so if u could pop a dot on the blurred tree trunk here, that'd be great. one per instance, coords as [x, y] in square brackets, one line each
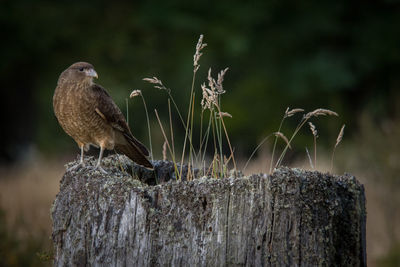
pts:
[291, 218]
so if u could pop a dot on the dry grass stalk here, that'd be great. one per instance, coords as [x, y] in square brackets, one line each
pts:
[164, 151]
[189, 175]
[159, 85]
[306, 117]
[168, 145]
[338, 140]
[281, 135]
[198, 54]
[288, 113]
[170, 126]
[189, 121]
[211, 168]
[211, 100]
[315, 135]
[258, 146]
[133, 94]
[226, 160]
[309, 159]
[216, 166]
[227, 139]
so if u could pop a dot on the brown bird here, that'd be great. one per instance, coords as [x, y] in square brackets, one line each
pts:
[88, 114]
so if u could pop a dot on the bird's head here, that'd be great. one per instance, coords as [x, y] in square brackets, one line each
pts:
[79, 72]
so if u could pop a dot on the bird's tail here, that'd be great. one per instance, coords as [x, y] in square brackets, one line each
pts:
[134, 152]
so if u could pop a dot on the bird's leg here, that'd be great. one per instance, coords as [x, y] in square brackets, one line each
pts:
[82, 150]
[81, 163]
[98, 165]
[100, 156]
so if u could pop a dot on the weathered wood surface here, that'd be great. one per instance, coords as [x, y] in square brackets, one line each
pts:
[291, 218]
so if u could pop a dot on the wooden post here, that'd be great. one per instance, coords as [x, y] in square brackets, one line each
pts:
[290, 218]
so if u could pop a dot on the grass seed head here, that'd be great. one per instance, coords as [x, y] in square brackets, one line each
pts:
[313, 129]
[220, 80]
[320, 112]
[210, 95]
[135, 93]
[158, 83]
[198, 54]
[225, 114]
[209, 98]
[340, 136]
[290, 113]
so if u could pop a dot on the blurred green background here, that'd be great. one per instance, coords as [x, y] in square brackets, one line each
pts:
[340, 55]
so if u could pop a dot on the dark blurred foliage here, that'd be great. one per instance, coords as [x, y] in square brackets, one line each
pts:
[341, 55]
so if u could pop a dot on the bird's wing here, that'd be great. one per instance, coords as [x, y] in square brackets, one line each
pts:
[109, 111]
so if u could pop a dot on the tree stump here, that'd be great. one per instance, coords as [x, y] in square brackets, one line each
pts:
[290, 218]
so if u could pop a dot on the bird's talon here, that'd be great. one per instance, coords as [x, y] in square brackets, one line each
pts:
[76, 167]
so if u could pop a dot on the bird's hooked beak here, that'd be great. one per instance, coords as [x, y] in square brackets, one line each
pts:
[91, 73]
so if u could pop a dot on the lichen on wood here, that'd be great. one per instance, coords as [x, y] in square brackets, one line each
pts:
[290, 218]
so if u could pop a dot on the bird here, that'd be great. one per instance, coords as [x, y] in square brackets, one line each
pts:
[87, 113]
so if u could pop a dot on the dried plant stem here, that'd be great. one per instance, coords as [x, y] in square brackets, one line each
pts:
[168, 145]
[133, 94]
[221, 153]
[201, 134]
[188, 122]
[213, 131]
[255, 150]
[276, 140]
[309, 158]
[338, 140]
[302, 122]
[315, 136]
[159, 85]
[306, 117]
[227, 138]
[288, 113]
[170, 127]
[180, 116]
[148, 126]
[177, 109]
[164, 151]
[218, 130]
[315, 152]
[205, 139]
[191, 150]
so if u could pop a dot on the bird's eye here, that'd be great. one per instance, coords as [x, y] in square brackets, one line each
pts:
[80, 69]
